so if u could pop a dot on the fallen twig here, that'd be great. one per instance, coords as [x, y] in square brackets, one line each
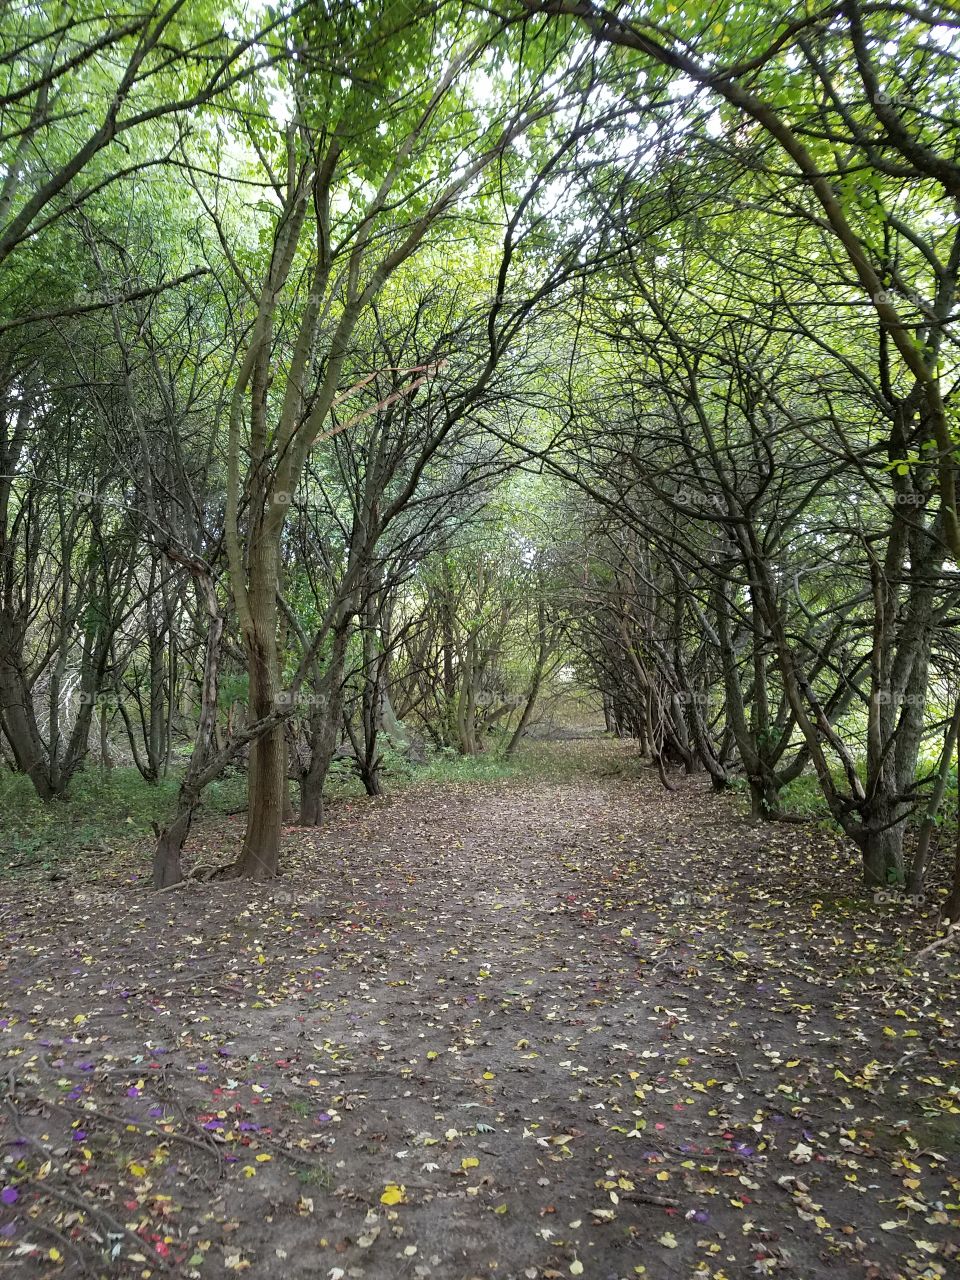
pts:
[952, 934]
[645, 1197]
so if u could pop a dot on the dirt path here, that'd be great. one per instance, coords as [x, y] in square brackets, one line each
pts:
[539, 1030]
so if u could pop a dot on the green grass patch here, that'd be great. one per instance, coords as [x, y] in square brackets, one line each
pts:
[448, 766]
[102, 811]
[534, 759]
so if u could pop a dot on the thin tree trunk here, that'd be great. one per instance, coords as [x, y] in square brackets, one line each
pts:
[167, 855]
[951, 909]
[106, 756]
[324, 731]
[922, 853]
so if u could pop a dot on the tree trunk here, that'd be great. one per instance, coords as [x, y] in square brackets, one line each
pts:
[22, 733]
[286, 804]
[370, 777]
[260, 856]
[951, 909]
[466, 710]
[609, 723]
[922, 853]
[311, 793]
[169, 847]
[764, 796]
[324, 730]
[517, 736]
[106, 755]
[882, 856]
[155, 743]
[170, 842]
[266, 776]
[368, 755]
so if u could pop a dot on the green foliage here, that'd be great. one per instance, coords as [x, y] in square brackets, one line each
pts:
[451, 767]
[101, 811]
[535, 760]
[804, 797]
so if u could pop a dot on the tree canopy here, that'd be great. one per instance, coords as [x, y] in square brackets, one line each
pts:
[372, 373]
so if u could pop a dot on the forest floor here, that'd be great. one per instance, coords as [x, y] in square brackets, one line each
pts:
[535, 1028]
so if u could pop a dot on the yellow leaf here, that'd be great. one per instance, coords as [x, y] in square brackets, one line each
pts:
[392, 1194]
[668, 1240]
[137, 1170]
[469, 1162]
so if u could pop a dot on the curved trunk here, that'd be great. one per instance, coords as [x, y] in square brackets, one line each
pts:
[17, 715]
[919, 865]
[167, 870]
[170, 842]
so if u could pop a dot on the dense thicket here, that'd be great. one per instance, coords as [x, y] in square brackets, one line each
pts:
[371, 373]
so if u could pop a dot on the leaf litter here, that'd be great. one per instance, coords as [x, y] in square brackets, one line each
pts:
[534, 1029]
